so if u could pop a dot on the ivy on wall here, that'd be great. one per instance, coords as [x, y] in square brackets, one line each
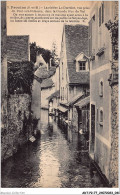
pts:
[20, 77]
[113, 28]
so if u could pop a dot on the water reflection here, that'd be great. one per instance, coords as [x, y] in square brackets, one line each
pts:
[57, 159]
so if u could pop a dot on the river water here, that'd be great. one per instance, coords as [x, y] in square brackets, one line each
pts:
[57, 159]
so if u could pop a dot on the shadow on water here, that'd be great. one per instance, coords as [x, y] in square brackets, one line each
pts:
[57, 159]
[21, 169]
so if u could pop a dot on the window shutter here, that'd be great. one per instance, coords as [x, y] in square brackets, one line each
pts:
[90, 37]
[102, 12]
[100, 16]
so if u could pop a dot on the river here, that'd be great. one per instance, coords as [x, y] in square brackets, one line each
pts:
[56, 160]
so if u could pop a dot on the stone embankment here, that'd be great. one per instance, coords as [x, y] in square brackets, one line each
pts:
[19, 124]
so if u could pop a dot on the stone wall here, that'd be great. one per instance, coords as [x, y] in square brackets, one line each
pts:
[19, 128]
[4, 91]
[102, 157]
[114, 137]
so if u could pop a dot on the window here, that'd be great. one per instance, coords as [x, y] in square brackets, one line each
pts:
[62, 70]
[67, 93]
[101, 116]
[90, 37]
[75, 90]
[101, 14]
[40, 64]
[101, 89]
[82, 66]
[80, 116]
[97, 115]
[63, 93]
[94, 17]
[66, 74]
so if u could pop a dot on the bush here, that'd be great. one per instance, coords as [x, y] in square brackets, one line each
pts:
[20, 77]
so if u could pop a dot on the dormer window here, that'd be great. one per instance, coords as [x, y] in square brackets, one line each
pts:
[82, 62]
[82, 66]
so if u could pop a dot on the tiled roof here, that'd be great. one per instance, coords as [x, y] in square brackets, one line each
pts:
[55, 94]
[43, 73]
[76, 38]
[18, 48]
[75, 99]
[52, 70]
[47, 83]
[77, 77]
[83, 102]
[62, 109]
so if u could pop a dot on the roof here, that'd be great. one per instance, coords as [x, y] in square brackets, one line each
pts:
[42, 72]
[62, 109]
[52, 70]
[83, 102]
[75, 99]
[55, 94]
[47, 83]
[77, 77]
[76, 39]
[18, 48]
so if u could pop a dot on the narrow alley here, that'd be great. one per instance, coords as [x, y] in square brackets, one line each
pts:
[56, 159]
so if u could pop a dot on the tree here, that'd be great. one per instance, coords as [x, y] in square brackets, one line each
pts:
[55, 59]
[35, 50]
[46, 54]
[20, 77]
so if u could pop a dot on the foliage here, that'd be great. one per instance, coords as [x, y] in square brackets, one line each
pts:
[34, 50]
[47, 54]
[113, 28]
[20, 77]
[55, 59]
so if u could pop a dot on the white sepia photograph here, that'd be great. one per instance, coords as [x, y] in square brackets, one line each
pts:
[59, 95]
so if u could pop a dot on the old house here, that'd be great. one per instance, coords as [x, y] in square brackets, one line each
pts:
[54, 97]
[19, 93]
[102, 144]
[48, 87]
[74, 69]
[40, 61]
[53, 100]
[47, 79]
[40, 74]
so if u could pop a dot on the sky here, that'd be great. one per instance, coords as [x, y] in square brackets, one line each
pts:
[44, 34]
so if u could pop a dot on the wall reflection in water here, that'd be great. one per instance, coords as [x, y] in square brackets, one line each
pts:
[59, 158]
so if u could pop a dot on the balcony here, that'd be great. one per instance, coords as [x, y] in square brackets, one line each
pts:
[100, 51]
[113, 77]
